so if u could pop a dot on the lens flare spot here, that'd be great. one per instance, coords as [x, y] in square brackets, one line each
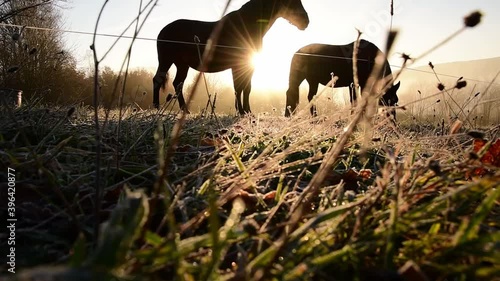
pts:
[257, 60]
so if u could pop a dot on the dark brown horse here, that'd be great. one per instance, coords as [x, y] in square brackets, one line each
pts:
[316, 62]
[241, 35]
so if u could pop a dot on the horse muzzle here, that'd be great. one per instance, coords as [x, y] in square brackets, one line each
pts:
[303, 22]
[300, 20]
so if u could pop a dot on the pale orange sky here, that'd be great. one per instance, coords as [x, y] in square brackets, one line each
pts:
[422, 23]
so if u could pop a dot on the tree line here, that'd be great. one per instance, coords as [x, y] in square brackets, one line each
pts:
[37, 62]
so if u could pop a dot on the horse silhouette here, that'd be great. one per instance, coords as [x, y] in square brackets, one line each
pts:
[182, 42]
[316, 63]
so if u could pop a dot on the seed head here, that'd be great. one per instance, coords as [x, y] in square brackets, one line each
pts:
[440, 86]
[476, 134]
[13, 69]
[70, 112]
[461, 84]
[435, 167]
[473, 19]
[405, 57]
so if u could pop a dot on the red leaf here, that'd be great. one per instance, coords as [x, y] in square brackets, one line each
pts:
[249, 198]
[495, 152]
[365, 174]
[490, 157]
[270, 196]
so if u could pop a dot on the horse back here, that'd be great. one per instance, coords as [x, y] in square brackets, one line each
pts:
[184, 31]
[318, 61]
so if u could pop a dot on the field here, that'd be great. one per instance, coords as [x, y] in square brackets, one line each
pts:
[256, 197]
[98, 188]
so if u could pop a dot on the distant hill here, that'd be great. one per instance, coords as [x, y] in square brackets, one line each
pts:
[419, 89]
[476, 69]
[477, 73]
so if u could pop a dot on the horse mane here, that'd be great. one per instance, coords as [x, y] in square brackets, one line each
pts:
[250, 7]
[386, 67]
[250, 4]
[255, 14]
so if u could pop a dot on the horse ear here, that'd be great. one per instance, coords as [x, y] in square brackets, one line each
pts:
[397, 85]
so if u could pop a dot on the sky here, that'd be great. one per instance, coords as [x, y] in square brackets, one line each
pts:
[421, 24]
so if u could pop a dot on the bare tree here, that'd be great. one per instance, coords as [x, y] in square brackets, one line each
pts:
[32, 55]
[9, 13]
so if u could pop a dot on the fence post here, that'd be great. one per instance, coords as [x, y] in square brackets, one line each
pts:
[11, 97]
[19, 98]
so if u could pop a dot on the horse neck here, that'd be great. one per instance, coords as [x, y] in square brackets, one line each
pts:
[386, 70]
[257, 17]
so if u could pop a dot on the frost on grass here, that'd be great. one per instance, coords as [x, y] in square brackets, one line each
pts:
[402, 198]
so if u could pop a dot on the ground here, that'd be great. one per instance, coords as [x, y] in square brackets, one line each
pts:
[255, 197]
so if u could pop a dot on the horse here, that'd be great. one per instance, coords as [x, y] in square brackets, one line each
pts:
[183, 41]
[316, 63]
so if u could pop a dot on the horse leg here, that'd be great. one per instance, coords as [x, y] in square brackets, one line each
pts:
[181, 75]
[292, 100]
[159, 82]
[246, 92]
[246, 98]
[292, 94]
[239, 86]
[352, 97]
[313, 89]
[391, 114]
[237, 103]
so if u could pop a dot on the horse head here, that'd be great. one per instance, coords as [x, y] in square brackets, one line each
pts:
[390, 98]
[293, 11]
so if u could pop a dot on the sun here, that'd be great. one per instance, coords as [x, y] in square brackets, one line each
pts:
[271, 69]
[272, 63]
[257, 60]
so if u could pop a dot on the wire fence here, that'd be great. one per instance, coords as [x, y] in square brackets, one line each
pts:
[223, 46]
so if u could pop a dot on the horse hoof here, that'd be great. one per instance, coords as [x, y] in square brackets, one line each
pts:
[185, 110]
[246, 114]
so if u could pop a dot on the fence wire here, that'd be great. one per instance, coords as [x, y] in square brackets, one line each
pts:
[221, 46]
